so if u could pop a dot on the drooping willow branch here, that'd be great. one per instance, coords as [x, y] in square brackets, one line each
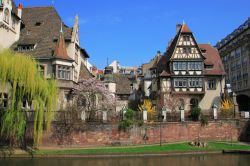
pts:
[21, 79]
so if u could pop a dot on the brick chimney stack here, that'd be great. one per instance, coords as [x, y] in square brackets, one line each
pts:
[19, 11]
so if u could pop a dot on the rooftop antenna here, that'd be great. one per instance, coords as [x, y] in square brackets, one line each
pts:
[107, 61]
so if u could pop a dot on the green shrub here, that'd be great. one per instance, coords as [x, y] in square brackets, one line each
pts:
[127, 121]
[204, 120]
[195, 113]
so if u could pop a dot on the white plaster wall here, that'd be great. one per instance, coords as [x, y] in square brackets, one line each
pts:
[212, 96]
[147, 83]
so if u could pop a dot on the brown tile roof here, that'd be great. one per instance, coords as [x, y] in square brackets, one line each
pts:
[44, 35]
[212, 58]
[60, 50]
[84, 73]
[185, 29]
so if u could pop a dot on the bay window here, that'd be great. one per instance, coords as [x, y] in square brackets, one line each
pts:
[63, 72]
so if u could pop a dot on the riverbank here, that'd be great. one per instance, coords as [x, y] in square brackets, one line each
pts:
[147, 150]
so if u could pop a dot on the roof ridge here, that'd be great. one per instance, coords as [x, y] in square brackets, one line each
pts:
[29, 7]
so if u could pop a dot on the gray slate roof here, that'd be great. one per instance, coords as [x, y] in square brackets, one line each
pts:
[44, 35]
[122, 84]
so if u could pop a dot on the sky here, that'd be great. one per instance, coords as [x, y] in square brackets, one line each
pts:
[132, 31]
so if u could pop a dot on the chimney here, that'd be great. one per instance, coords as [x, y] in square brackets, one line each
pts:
[178, 27]
[19, 11]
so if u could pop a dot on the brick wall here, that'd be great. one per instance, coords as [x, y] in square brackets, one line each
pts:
[108, 134]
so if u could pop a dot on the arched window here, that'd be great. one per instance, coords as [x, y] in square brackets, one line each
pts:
[7, 16]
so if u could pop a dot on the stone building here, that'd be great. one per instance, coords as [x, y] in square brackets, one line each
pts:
[235, 54]
[191, 72]
[10, 23]
[40, 32]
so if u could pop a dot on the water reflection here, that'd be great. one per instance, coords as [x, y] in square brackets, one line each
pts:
[187, 160]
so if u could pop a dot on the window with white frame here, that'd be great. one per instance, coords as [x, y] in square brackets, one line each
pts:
[195, 82]
[63, 72]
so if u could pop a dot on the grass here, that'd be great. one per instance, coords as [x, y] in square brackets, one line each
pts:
[175, 147]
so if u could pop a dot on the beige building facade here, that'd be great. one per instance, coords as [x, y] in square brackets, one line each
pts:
[189, 72]
[235, 53]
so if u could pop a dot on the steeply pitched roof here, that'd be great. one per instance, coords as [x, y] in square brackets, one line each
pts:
[122, 84]
[84, 73]
[185, 29]
[42, 26]
[60, 50]
[212, 58]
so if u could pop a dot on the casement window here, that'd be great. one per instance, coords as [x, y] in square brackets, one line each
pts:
[3, 100]
[187, 65]
[180, 82]
[195, 82]
[63, 72]
[186, 38]
[211, 84]
[7, 16]
[29, 47]
[187, 50]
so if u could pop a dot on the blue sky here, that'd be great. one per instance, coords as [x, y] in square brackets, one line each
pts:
[132, 31]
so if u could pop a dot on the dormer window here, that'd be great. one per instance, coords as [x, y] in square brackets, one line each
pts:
[38, 24]
[7, 16]
[29, 47]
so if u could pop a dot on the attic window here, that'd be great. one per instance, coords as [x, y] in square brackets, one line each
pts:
[203, 50]
[29, 47]
[38, 24]
[209, 66]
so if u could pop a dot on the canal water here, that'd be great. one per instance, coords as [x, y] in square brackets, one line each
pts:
[184, 160]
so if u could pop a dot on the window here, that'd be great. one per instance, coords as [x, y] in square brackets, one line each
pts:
[29, 47]
[7, 16]
[187, 50]
[1, 2]
[180, 82]
[3, 100]
[186, 38]
[195, 82]
[42, 70]
[212, 84]
[63, 72]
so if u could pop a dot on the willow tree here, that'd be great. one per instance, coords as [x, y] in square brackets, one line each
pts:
[21, 79]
